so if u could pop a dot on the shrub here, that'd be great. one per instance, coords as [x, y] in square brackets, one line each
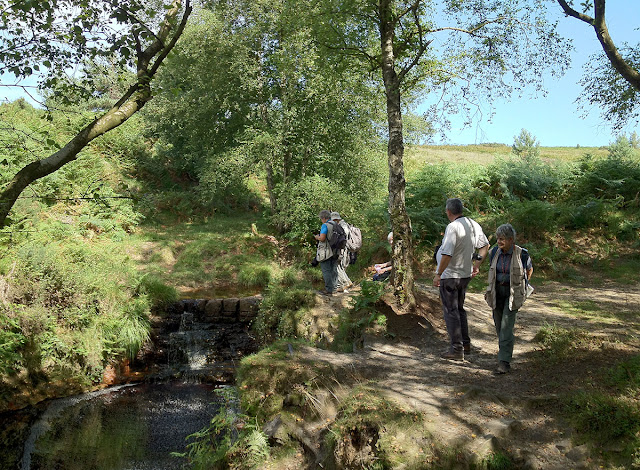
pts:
[603, 418]
[525, 145]
[12, 340]
[281, 312]
[428, 191]
[231, 436]
[589, 214]
[526, 178]
[626, 375]
[160, 295]
[300, 203]
[254, 275]
[71, 308]
[616, 177]
[558, 342]
[533, 220]
[361, 315]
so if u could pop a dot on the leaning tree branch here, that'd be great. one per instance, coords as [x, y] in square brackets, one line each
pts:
[624, 68]
[130, 103]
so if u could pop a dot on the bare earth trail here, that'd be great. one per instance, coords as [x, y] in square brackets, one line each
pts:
[467, 404]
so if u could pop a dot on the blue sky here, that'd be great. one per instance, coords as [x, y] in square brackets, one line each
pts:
[555, 119]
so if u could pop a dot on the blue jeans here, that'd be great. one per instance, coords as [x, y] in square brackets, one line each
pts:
[452, 294]
[504, 321]
[330, 273]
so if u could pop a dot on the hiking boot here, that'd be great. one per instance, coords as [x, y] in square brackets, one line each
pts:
[503, 368]
[468, 349]
[325, 292]
[453, 355]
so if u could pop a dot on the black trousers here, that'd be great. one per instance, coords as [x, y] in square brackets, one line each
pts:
[452, 294]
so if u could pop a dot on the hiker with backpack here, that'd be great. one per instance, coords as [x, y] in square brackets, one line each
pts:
[325, 253]
[509, 274]
[343, 257]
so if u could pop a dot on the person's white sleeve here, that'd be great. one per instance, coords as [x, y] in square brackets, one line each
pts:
[481, 238]
[448, 242]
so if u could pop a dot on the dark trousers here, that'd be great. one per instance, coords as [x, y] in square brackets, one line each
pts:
[452, 294]
[504, 321]
[329, 269]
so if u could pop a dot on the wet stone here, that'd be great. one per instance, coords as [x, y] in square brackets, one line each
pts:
[229, 307]
[200, 305]
[187, 321]
[188, 305]
[213, 310]
[176, 308]
[250, 305]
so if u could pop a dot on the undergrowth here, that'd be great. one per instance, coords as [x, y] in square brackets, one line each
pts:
[232, 440]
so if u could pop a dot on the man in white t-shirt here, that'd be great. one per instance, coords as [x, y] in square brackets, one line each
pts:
[457, 264]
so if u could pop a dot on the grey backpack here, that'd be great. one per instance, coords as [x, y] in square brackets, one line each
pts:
[354, 242]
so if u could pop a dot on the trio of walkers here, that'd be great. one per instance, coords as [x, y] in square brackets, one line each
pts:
[464, 248]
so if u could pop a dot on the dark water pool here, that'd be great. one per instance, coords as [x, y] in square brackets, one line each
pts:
[131, 427]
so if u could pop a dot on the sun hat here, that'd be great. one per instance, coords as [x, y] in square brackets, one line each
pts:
[335, 215]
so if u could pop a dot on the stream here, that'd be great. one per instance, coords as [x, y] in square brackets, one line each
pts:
[122, 427]
[140, 426]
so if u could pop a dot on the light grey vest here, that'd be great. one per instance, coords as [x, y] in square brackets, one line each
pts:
[324, 251]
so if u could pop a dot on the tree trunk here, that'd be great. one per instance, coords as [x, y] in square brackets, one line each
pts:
[271, 187]
[402, 250]
[264, 117]
[130, 103]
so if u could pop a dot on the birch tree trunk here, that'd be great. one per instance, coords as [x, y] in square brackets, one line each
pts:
[402, 278]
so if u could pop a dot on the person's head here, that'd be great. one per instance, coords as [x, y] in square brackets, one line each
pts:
[506, 237]
[390, 238]
[324, 216]
[336, 216]
[453, 207]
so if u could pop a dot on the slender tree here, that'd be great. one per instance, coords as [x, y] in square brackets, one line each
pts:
[463, 51]
[58, 34]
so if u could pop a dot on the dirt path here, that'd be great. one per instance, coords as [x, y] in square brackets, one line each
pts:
[471, 407]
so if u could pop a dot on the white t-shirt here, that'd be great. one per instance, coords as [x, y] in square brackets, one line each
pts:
[461, 238]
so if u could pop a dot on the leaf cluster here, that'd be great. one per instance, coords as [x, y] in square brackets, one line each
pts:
[48, 38]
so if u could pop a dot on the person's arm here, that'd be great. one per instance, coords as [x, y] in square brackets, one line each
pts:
[529, 273]
[482, 252]
[383, 267]
[444, 262]
[323, 233]
[388, 266]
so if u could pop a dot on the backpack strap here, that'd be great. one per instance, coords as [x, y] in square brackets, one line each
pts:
[492, 253]
[524, 257]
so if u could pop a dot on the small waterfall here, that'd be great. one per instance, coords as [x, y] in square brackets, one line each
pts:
[211, 338]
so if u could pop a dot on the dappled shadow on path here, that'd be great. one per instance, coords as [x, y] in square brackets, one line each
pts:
[465, 402]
